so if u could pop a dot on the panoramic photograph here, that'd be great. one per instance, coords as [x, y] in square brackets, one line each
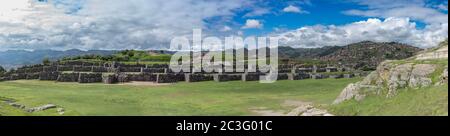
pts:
[223, 58]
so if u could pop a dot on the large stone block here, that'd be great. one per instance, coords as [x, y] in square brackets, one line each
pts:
[283, 76]
[130, 69]
[90, 78]
[336, 76]
[142, 77]
[68, 77]
[198, 77]
[170, 78]
[122, 78]
[349, 75]
[50, 76]
[251, 76]
[153, 70]
[82, 68]
[31, 76]
[318, 76]
[65, 68]
[227, 77]
[110, 79]
[99, 69]
[50, 68]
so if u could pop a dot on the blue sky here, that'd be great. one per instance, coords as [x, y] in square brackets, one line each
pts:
[151, 24]
[319, 12]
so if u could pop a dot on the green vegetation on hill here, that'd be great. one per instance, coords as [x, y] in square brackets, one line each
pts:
[126, 56]
[204, 98]
[2, 70]
[413, 102]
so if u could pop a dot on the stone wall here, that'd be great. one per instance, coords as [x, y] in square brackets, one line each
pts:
[227, 77]
[142, 77]
[82, 69]
[349, 75]
[283, 76]
[336, 76]
[129, 69]
[68, 77]
[65, 68]
[198, 77]
[19, 76]
[318, 76]
[110, 79]
[122, 78]
[35, 69]
[32, 76]
[154, 70]
[49, 76]
[299, 76]
[50, 68]
[251, 76]
[170, 78]
[99, 69]
[90, 78]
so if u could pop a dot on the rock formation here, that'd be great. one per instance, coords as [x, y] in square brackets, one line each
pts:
[390, 76]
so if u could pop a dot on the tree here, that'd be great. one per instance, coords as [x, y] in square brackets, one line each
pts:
[46, 61]
[2, 70]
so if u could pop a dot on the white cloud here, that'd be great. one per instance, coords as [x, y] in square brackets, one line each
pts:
[226, 29]
[101, 24]
[252, 23]
[257, 11]
[414, 9]
[391, 29]
[443, 7]
[293, 9]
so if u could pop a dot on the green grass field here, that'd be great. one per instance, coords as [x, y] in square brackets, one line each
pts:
[204, 98]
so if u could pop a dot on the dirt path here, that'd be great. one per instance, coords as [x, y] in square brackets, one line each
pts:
[301, 109]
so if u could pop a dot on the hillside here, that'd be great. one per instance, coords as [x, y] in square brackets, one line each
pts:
[419, 84]
[370, 54]
[362, 55]
[16, 58]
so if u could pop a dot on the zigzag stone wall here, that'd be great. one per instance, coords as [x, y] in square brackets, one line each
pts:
[117, 73]
[90, 78]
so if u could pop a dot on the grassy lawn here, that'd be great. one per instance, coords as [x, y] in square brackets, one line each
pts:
[416, 102]
[204, 98]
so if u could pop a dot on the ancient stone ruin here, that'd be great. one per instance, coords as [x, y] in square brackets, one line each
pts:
[110, 73]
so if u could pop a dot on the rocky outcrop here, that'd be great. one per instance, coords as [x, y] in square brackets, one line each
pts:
[444, 77]
[308, 110]
[391, 76]
[41, 108]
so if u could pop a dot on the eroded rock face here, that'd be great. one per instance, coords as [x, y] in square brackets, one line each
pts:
[420, 76]
[350, 92]
[443, 78]
[398, 78]
[394, 75]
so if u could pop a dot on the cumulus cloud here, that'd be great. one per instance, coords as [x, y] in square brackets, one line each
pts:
[252, 23]
[100, 24]
[257, 11]
[391, 29]
[294, 9]
[226, 29]
[414, 9]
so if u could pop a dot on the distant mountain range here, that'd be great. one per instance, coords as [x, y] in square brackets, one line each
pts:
[362, 54]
